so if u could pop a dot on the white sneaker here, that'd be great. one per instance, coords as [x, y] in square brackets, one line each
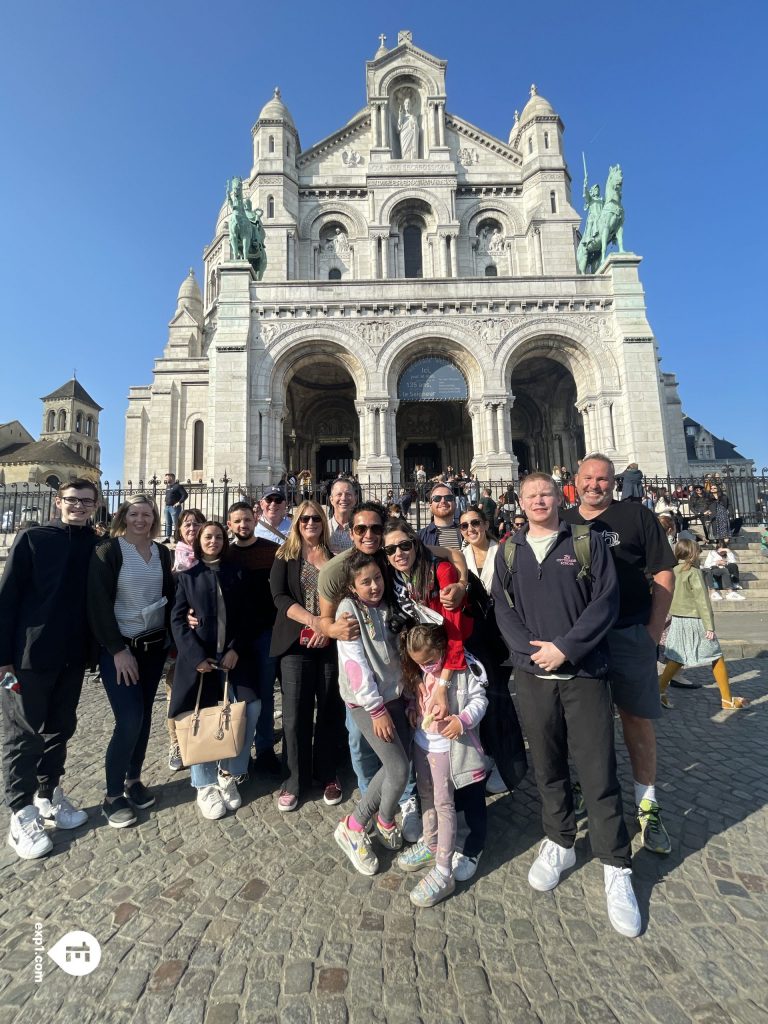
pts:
[229, 792]
[27, 834]
[410, 826]
[623, 911]
[715, 595]
[210, 804]
[464, 867]
[549, 865]
[494, 783]
[60, 810]
[733, 596]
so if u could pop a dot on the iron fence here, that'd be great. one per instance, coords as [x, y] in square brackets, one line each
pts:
[21, 504]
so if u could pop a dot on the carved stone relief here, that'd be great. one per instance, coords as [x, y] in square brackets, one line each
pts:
[468, 156]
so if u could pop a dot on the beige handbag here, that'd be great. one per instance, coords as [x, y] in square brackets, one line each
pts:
[211, 734]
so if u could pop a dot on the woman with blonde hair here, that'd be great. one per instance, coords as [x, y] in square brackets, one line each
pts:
[691, 639]
[130, 593]
[308, 665]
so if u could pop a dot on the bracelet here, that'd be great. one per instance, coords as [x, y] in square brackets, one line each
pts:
[445, 683]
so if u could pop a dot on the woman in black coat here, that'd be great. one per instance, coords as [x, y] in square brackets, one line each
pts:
[213, 590]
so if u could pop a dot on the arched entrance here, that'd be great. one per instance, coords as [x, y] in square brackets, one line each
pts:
[321, 430]
[546, 428]
[433, 426]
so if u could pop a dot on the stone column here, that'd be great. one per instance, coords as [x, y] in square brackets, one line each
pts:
[454, 237]
[510, 259]
[607, 425]
[443, 242]
[385, 125]
[492, 446]
[384, 256]
[441, 122]
[475, 410]
[374, 247]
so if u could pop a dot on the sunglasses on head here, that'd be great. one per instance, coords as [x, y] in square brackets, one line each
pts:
[360, 529]
[442, 497]
[310, 519]
[475, 523]
[404, 545]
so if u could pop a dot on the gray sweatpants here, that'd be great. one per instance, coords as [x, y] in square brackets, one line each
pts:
[387, 785]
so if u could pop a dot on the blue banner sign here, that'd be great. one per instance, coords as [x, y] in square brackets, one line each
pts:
[432, 380]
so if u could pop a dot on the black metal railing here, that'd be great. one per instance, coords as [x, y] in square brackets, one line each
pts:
[21, 504]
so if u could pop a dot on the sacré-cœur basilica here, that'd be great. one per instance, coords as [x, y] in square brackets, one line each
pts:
[417, 300]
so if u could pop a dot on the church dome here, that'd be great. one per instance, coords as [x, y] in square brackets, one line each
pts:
[536, 106]
[190, 296]
[276, 110]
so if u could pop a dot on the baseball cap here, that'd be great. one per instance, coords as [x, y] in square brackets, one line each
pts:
[274, 492]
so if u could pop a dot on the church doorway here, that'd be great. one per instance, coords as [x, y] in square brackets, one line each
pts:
[433, 425]
[321, 431]
[546, 428]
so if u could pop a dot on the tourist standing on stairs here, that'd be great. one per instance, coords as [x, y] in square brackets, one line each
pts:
[175, 496]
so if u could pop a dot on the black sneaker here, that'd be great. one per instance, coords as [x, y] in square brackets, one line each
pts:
[119, 812]
[266, 763]
[139, 795]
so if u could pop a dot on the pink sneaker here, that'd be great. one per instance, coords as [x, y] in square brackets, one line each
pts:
[287, 802]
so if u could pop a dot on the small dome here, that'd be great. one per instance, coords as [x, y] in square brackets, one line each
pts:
[190, 296]
[276, 110]
[536, 106]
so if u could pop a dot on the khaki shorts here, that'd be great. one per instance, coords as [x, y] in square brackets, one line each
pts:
[632, 671]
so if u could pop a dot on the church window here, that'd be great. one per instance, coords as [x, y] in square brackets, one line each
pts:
[79, 423]
[62, 420]
[491, 271]
[88, 453]
[51, 421]
[546, 140]
[287, 147]
[270, 206]
[89, 426]
[530, 143]
[53, 482]
[198, 438]
[334, 274]
[78, 448]
[271, 144]
[412, 250]
[553, 202]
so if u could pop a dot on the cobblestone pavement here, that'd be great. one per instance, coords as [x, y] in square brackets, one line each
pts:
[260, 918]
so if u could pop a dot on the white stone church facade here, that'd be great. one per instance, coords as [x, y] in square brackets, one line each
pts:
[421, 305]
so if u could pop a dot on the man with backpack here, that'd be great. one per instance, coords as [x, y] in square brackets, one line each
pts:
[556, 596]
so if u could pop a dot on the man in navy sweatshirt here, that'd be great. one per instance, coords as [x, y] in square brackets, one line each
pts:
[554, 605]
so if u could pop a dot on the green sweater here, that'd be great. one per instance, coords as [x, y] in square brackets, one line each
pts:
[691, 599]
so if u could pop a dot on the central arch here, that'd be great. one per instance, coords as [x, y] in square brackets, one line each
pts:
[546, 429]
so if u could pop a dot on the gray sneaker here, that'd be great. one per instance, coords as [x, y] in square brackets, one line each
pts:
[174, 758]
[119, 812]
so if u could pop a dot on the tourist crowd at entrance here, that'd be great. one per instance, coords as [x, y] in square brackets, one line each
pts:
[393, 649]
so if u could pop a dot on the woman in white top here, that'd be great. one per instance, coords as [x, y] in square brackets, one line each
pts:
[479, 547]
[130, 592]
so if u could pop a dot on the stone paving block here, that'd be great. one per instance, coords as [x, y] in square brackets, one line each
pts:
[167, 975]
[331, 1011]
[127, 986]
[295, 1011]
[222, 1013]
[662, 1009]
[297, 977]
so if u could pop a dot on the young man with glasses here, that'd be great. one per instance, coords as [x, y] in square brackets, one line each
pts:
[45, 645]
[274, 522]
[442, 530]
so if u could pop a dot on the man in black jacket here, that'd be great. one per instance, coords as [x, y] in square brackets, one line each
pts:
[554, 606]
[175, 496]
[44, 650]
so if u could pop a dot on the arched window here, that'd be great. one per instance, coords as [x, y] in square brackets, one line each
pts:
[88, 453]
[287, 147]
[491, 271]
[78, 448]
[50, 421]
[89, 426]
[546, 140]
[271, 144]
[412, 255]
[62, 420]
[79, 423]
[553, 202]
[53, 482]
[270, 206]
[198, 439]
[334, 274]
[530, 143]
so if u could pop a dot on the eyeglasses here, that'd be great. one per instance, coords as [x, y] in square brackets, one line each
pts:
[309, 519]
[85, 502]
[437, 498]
[273, 499]
[474, 523]
[360, 529]
[519, 522]
[404, 545]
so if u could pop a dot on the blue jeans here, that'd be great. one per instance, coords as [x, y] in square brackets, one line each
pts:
[132, 708]
[207, 774]
[170, 519]
[265, 687]
[365, 764]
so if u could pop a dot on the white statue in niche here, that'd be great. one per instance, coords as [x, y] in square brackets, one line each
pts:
[408, 130]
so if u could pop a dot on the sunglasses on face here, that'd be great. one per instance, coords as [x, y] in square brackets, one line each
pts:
[442, 497]
[361, 529]
[309, 519]
[404, 545]
[273, 500]
[474, 523]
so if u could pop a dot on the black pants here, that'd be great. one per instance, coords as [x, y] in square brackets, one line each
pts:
[471, 800]
[38, 724]
[723, 573]
[577, 714]
[307, 679]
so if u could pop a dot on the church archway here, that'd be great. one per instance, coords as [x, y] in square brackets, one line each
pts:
[433, 425]
[545, 427]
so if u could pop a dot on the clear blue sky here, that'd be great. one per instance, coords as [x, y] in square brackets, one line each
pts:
[122, 122]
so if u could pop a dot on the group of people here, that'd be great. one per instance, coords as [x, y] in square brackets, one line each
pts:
[392, 648]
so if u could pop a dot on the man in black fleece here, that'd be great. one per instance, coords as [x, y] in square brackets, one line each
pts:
[44, 650]
[554, 608]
